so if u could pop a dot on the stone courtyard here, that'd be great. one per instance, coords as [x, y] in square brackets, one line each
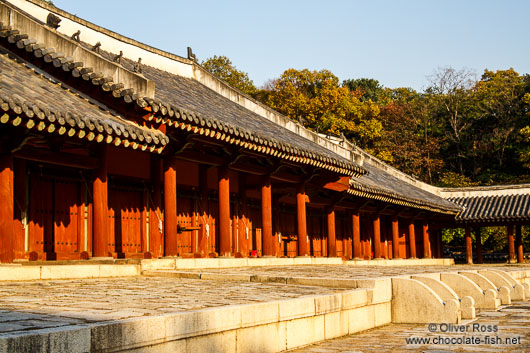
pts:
[345, 271]
[33, 307]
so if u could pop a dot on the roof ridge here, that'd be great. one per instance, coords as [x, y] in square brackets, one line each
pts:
[257, 142]
[70, 122]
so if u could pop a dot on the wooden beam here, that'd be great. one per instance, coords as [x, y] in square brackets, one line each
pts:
[58, 158]
[249, 168]
[203, 158]
[287, 177]
[342, 184]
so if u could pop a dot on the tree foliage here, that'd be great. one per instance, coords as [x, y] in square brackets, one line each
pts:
[319, 102]
[223, 68]
[368, 88]
[461, 131]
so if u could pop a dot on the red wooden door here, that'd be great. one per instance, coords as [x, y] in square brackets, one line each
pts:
[213, 240]
[254, 223]
[125, 213]
[418, 228]
[287, 227]
[66, 215]
[41, 215]
[54, 218]
[184, 216]
[339, 235]
[315, 232]
[403, 242]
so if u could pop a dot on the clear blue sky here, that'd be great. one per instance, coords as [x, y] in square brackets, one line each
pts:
[397, 42]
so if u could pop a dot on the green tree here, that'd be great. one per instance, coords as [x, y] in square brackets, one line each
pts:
[369, 88]
[223, 68]
[409, 132]
[451, 96]
[318, 101]
[502, 118]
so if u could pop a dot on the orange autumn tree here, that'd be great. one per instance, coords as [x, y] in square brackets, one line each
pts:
[318, 101]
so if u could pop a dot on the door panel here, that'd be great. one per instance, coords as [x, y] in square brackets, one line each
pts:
[41, 214]
[126, 220]
[66, 216]
[184, 216]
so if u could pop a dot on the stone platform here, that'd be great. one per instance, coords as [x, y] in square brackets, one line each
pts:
[512, 324]
[150, 306]
[47, 270]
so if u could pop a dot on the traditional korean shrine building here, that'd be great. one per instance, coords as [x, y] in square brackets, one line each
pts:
[109, 147]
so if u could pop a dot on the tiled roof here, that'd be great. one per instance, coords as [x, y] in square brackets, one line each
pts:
[32, 98]
[493, 208]
[210, 107]
[186, 103]
[380, 185]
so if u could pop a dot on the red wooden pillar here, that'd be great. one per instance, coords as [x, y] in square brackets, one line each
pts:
[170, 207]
[519, 242]
[426, 241]
[101, 209]
[155, 214]
[511, 246]
[266, 217]
[356, 225]
[469, 249]
[301, 221]
[332, 246]
[376, 223]
[395, 237]
[224, 211]
[204, 233]
[412, 239]
[7, 209]
[478, 245]
[19, 233]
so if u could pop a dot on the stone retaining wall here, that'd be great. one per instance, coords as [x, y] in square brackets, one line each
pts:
[263, 327]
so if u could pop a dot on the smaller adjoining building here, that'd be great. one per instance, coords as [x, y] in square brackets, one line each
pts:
[505, 205]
